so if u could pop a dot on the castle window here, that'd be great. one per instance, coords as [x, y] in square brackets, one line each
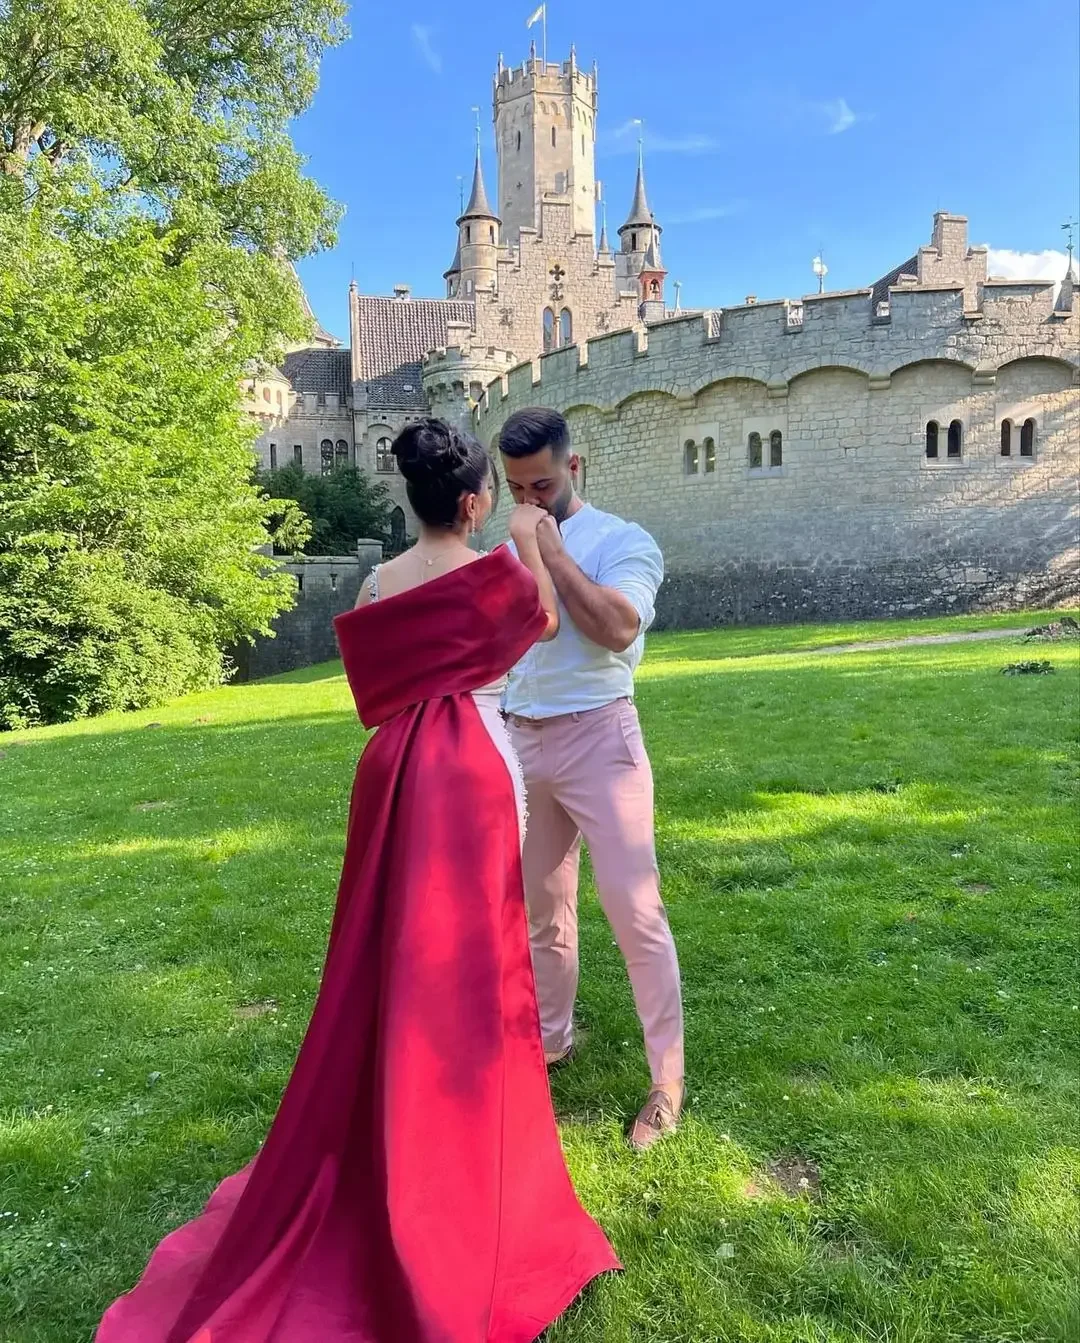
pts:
[691, 458]
[266, 395]
[549, 330]
[279, 396]
[776, 448]
[519, 140]
[583, 144]
[566, 327]
[476, 390]
[468, 233]
[633, 242]
[553, 137]
[341, 453]
[932, 438]
[753, 452]
[1006, 438]
[491, 232]
[654, 288]
[273, 456]
[1027, 438]
[710, 456]
[468, 286]
[397, 531]
[326, 454]
[582, 479]
[298, 454]
[956, 438]
[384, 458]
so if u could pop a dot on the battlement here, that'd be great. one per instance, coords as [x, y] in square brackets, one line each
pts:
[557, 78]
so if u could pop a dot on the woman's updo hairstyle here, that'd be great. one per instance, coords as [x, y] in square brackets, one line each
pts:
[440, 464]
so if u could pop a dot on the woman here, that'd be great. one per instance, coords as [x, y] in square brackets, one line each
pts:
[412, 1188]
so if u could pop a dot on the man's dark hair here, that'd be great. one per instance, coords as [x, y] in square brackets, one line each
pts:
[530, 431]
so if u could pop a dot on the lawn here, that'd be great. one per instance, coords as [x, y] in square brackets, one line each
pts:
[871, 865]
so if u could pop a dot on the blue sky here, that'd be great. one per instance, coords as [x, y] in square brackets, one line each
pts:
[772, 130]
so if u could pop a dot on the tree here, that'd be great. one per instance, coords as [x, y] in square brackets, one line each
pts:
[343, 507]
[149, 195]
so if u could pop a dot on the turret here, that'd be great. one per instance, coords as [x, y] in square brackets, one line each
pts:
[640, 235]
[474, 267]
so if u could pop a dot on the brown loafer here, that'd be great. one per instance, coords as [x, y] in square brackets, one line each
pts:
[658, 1119]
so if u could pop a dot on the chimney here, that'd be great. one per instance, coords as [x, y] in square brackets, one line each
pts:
[401, 291]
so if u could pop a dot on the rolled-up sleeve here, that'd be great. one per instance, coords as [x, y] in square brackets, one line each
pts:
[631, 563]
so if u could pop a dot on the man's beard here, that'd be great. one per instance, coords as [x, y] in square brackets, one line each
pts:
[560, 507]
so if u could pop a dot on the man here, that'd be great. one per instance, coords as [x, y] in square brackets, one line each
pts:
[570, 708]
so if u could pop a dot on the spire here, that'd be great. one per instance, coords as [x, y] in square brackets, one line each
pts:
[478, 207]
[455, 265]
[640, 215]
[652, 255]
[603, 249]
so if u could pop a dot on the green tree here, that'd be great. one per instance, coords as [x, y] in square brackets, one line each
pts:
[149, 195]
[343, 507]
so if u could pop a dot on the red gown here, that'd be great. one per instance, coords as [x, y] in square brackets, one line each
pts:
[412, 1188]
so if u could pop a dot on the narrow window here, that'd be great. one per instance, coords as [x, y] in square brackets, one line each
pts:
[397, 531]
[583, 144]
[298, 454]
[279, 396]
[326, 454]
[633, 242]
[582, 475]
[384, 458]
[519, 140]
[932, 438]
[691, 458]
[776, 448]
[710, 456]
[553, 137]
[1027, 439]
[266, 395]
[468, 233]
[273, 456]
[566, 327]
[753, 452]
[956, 438]
[491, 232]
[549, 330]
[341, 453]
[1006, 438]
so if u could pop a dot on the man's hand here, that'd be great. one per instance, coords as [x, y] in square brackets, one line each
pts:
[549, 538]
[524, 523]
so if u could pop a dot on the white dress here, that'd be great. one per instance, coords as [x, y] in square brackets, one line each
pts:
[488, 700]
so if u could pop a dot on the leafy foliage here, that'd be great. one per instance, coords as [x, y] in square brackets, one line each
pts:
[149, 195]
[343, 507]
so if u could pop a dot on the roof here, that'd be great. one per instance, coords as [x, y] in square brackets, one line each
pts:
[319, 371]
[478, 207]
[652, 255]
[393, 335]
[640, 213]
[880, 291]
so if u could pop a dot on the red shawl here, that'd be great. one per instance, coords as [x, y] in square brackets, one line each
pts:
[412, 1188]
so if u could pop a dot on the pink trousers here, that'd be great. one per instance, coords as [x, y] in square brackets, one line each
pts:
[587, 775]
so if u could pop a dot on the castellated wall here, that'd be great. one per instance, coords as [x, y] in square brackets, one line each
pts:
[855, 520]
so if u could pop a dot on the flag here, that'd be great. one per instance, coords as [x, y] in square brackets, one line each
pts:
[539, 13]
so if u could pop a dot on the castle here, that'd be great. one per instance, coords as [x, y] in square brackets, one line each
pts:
[905, 447]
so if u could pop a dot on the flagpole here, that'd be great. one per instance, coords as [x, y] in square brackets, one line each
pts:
[545, 37]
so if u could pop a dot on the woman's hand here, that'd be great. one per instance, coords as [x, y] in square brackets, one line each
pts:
[524, 520]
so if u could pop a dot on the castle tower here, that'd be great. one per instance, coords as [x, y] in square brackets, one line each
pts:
[545, 133]
[474, 266]
[640, 235]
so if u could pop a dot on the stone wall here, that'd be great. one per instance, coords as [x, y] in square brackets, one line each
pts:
[304, 636]
[855, 520]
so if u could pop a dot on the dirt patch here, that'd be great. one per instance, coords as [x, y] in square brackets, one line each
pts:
[976, 887]
[795, 1176]
[152, 806]
[915, 641]
[249, 1011]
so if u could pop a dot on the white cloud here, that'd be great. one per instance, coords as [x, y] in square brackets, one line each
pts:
[422, 36]
[702, 214]
[838, 115]
[1010, 265]
[623, 140]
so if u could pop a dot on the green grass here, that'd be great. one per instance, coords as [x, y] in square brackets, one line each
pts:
[870, 862]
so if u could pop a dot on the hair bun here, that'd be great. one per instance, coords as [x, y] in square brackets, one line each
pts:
[429, 449]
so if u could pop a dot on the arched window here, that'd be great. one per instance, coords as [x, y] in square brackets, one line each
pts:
[553, 137]
[266, 395]
[654, 289]
[384, 457]
[397, 531]
[582, 480]
[710, 456]
[1027, 438]
[932, 438]
[549, 330]
[341, 453]
[956, 438]
[753, 452]
[326, 454]
[1006, 438]
[566, 327]
[691, 457]
[776, 448]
